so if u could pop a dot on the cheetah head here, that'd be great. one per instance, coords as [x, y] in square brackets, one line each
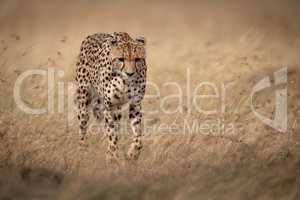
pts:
[128, 55]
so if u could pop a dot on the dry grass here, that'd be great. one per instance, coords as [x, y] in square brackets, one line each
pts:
[237, 44]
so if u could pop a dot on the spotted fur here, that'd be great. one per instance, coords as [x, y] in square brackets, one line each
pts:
[111, 71]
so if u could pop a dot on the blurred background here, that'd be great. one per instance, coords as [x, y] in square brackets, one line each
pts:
[236, 43]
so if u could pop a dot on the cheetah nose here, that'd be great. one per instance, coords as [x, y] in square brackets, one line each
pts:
[129, 74]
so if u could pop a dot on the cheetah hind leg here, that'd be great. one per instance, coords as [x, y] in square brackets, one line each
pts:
[98, 113]
[98, 110]
[82, 101]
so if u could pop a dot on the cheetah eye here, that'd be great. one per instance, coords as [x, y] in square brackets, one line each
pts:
[137, 59]
[121, 59]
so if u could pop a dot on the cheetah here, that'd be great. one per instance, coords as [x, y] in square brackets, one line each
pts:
[111, 72]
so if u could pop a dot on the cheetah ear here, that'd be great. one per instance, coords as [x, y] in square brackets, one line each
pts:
[141, 40]
[115, 38]
[113, 41]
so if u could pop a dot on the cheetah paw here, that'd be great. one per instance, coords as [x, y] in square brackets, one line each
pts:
[83, 142]
[133, 154]
[112, 158]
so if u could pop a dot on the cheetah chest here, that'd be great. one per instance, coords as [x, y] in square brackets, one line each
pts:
[118, 91]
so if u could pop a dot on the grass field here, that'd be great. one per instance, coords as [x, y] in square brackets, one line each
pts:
[229, 44]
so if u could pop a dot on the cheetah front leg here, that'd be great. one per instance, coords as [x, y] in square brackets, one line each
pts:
[135, 117]
[112, 118]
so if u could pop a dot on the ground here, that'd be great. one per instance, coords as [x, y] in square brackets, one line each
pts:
[235, 45]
